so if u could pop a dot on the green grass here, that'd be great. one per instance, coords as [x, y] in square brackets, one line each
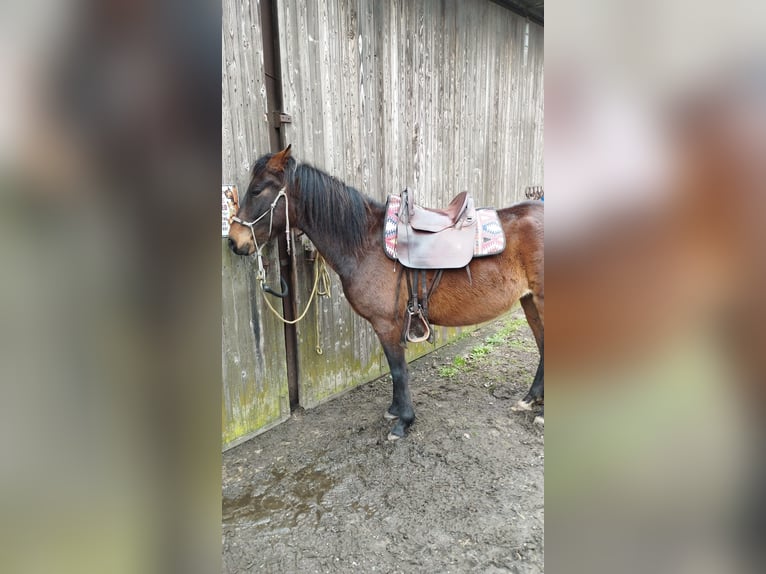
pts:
[479, 352]
[496, 339]
[448, 371]
[506, 335]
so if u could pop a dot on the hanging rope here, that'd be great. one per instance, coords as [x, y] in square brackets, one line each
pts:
[318, 348]
[324, 279]
[320, 271]
[322, 291]
[320, 268]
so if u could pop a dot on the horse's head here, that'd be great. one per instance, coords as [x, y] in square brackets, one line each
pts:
[262, 210]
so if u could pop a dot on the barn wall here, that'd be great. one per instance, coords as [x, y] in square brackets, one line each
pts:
[254, 376]
[438, 96]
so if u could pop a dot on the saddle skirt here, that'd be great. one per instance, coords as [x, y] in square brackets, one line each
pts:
[441, 239]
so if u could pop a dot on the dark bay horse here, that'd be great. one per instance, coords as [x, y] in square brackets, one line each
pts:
[347, 229]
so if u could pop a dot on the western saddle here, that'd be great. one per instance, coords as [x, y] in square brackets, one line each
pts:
[431, 239]
[423, 239]
[436, 238]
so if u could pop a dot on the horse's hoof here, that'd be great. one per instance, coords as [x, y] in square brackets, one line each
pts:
[388, 416]
[399, 430]
[522, 405]
[539, 420]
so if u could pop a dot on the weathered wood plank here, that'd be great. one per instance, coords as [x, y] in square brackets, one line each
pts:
[254, 374]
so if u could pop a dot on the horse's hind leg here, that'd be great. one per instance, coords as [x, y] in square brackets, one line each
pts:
[401, 405]
[536, 391]
[535, 395]
[533, 318]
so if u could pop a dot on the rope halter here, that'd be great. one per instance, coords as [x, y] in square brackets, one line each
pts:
[270, 213]
[320, 270]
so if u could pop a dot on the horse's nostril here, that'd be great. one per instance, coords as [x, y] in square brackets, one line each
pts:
[232, 245]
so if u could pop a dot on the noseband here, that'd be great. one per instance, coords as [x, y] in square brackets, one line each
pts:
[270, 213]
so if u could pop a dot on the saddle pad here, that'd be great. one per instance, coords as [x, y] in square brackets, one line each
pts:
[489, 239]
[391, 224]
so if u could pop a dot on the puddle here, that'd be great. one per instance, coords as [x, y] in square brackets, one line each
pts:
[284, 501]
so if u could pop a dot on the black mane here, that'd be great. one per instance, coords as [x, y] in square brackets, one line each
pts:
[333, 208]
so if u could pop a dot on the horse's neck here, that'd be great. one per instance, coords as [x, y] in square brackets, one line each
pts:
[343, 262]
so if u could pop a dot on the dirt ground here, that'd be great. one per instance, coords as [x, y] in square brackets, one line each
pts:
[463, 492]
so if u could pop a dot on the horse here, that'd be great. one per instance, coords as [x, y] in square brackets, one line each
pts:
[346, 228]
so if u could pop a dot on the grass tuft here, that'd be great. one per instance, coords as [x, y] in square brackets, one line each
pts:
[507, 335]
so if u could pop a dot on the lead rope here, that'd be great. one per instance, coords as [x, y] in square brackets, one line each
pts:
[323, 291]
[319, 271]
[259, 248]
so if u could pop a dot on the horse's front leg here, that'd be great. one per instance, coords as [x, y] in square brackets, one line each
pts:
[401, 406]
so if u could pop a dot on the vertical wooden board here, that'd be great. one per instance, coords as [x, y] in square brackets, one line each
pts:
[537, 48]
[254, 374]
[255, 394]
[431, 95]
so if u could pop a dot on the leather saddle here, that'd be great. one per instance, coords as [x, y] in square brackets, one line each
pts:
[436, 238]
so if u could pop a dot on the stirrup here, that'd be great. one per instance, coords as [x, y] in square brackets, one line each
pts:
[408, 325]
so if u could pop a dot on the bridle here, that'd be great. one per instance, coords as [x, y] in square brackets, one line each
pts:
[250, 224]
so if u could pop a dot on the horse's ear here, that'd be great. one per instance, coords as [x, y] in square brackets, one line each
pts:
[279, 159]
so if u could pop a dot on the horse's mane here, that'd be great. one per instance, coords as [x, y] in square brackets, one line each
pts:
[333, 208]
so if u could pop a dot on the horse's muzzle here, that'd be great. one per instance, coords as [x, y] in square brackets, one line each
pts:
[239, 251]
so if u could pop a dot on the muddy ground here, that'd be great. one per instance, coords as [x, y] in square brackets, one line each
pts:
[326, 492]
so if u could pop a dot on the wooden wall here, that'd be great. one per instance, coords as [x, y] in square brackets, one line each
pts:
[436, 95]
[254, 377]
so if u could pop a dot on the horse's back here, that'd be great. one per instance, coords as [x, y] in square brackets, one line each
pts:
[529, 207]
[524, 225]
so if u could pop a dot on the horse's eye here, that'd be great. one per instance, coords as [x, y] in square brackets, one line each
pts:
[258, 188]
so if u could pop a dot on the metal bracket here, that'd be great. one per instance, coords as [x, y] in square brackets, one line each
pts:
[279, 118]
